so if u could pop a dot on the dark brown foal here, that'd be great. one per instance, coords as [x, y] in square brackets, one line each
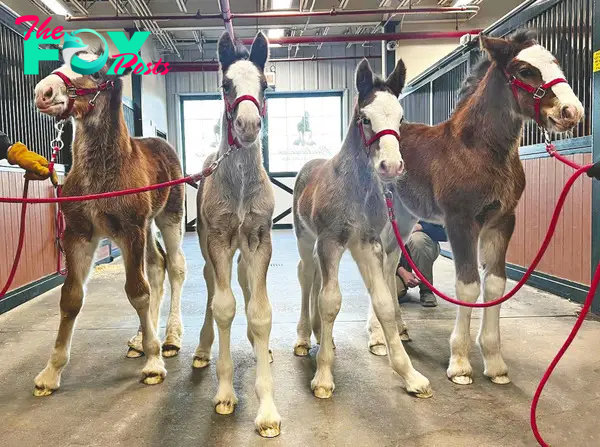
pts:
[466, 173]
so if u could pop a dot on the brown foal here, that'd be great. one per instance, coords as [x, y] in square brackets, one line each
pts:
[466, 173]
[106, 158]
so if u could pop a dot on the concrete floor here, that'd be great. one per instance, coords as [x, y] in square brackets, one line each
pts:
[101, 401]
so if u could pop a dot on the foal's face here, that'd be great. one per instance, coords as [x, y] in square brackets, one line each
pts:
[379, 109]
[561, 109]
[521, 56]
[52, 97]
[243, 74]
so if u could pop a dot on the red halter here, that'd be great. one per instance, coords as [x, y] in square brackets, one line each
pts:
[376, 137]
[74, 93]
[230, 108]
[537, 92]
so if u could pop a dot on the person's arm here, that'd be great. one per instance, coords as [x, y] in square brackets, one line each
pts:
[18, 154]
[404, 263]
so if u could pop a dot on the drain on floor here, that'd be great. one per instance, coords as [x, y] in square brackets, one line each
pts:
[275, 265]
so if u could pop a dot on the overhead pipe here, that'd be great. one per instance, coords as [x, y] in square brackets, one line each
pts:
[366, 37]
[178, 67]
[228, 16]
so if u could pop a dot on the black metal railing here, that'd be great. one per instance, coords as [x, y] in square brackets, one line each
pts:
[18, 116]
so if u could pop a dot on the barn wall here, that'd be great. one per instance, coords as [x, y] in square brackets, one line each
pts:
[564, 27]
[296, 76]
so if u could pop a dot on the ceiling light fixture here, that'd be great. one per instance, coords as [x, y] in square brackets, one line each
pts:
[281, 4]
[57, 7]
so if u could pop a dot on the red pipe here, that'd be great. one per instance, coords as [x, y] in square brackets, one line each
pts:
[278, 14]
[366, 37]
[226, 11]
[181, 67]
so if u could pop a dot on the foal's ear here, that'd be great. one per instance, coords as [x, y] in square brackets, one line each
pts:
[500, 50]
[364, 78]
[259, 53]
[226, 49]
[397, 79]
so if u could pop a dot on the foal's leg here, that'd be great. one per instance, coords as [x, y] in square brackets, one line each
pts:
[493, 244]
[220, 252]
[329, 253]
[80, 254]
[132, 242]
[207, 334]
[170, 227]
[255, 244]
[374, 329]
[370, 259]
[463, 234]
[307, 270]
[391, 267]
[155, 269]
[244, 280]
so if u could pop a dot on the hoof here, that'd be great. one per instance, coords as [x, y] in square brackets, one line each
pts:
[462, 380]
[404, 336]
[169, 351]
[153, 378]
[271, 430]
[133, 353]
[271, 359]
[200, 362]
[322, 392]
[424, 395]
[500, 380]
[378, 350]
[301, 350]
[39, 391]
[225, 407]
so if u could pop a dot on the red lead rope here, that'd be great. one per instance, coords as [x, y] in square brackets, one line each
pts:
[553, 223]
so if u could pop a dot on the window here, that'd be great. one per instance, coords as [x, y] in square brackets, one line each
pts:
[201, 130]
[302, 127]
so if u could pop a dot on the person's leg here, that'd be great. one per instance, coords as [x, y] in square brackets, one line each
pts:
[424, 252]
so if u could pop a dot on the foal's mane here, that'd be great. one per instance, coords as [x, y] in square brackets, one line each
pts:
[520, 38]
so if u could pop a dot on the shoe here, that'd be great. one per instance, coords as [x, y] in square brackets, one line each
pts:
[428, 300]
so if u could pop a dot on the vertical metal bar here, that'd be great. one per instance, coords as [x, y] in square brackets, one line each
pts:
[431, 92]
[596, 149]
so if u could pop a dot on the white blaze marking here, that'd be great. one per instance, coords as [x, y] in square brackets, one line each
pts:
[544, 61]
[385, 112]
[246, 79]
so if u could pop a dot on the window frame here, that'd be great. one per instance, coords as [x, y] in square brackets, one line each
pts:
[297, 94]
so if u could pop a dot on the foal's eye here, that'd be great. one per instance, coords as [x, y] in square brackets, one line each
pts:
[526, 73]
[96, 76]
[226, 87]
[366, 121]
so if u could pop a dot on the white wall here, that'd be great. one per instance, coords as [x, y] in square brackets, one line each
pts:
[419, 55]
[154, 95]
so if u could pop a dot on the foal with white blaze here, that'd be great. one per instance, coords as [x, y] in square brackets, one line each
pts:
[105, 159]
[466, 173]
[235, 211]
[339, 205]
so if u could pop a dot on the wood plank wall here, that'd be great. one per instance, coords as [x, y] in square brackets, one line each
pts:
[569, 254]
[39, 256]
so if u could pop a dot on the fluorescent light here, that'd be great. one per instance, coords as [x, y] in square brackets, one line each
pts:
[57, 7]
[281, 4]
[459, 3]
[275, 33]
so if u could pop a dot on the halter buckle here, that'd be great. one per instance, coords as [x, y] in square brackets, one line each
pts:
[539, 93]
[92, 101]
[72, 92]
